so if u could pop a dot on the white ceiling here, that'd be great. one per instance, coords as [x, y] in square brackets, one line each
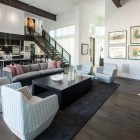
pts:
[65, 6]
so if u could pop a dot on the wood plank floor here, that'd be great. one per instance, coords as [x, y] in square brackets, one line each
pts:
[117, 119]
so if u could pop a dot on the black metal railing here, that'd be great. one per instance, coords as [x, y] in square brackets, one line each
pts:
[57, 46]
[49, 46]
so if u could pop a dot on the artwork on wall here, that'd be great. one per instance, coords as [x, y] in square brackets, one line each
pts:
[27, 48]
[135, 35]
[31, 23]
[117, 37]
[117, 52]
[16, 50]
[134, 52]
[84, 49]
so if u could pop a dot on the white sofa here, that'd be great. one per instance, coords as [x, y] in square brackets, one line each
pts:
[107, 73]
[26, 115]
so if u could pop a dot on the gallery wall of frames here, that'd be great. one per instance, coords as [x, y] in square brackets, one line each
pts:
[117, 44]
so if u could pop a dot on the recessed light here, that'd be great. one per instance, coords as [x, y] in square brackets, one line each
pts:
[139, 94]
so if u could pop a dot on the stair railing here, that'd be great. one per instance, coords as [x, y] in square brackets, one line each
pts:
[57, 46]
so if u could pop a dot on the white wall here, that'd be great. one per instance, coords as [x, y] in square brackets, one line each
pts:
[118, 19]
[11, 20]
[86, 17]
[61, 21]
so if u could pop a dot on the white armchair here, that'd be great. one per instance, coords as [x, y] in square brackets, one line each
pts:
[3, 81]
[26, 115]
[85, 69]
[107, 73]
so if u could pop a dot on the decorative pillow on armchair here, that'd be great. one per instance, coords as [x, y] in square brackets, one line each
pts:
[52, 65]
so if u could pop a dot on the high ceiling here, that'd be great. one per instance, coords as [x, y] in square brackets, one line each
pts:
[65, 6]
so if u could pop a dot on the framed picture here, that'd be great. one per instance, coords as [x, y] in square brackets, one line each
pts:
[27, 48]
[117, 37]
[135, 35]
[117, 52]
[31, 22]
[134, 52]
[15, 50]
[84, 49]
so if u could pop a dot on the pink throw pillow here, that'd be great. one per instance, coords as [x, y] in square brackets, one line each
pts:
[18, 69]
[11, 68]
[58, 64]
[51, 64]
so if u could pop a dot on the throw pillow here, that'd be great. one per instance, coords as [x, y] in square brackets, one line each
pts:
[11, 68]
[26, 92]
[43, 66]
[34, 67]
[52, 65]
[58, 64]
[18, 69]
[26, 68]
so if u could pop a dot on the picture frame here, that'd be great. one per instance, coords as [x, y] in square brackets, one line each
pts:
[135, 35]
[27, 48]
[134, 52]
[117, 37]
[15, 50]
[84, 49]
[117, 52]
[31, 22]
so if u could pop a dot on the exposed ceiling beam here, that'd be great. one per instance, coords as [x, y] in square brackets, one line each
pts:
[117, 3]
[31, 9]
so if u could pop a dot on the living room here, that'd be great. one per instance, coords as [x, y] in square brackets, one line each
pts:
[77, 24]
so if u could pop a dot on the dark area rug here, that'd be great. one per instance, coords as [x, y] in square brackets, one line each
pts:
[68, 122]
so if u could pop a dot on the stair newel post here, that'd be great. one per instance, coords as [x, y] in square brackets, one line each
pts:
[62, 53]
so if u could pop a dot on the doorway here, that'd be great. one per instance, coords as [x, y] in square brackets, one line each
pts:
[92, 50]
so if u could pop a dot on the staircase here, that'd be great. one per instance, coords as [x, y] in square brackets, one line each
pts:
[49, 46]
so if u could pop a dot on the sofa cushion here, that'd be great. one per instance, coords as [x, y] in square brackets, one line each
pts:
[58, 64]
[51, 71]
[18, 69]
[35, 67]
[26, 75]
[43, 66]
[26, 68]
[11, 68]
[52, 65]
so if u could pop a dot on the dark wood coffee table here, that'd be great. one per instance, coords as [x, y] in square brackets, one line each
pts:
[67, 92]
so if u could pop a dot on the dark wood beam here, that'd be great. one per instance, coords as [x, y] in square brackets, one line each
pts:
[31, 9]
[117, 3]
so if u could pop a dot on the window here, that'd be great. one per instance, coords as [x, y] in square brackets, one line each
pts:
[65, 36]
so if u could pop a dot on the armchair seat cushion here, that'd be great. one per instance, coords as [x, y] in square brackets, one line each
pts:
[51, 71]
[26, 75]
[35, 99]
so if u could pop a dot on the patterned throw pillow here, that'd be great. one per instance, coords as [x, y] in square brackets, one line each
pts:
[11, 68]
[58, 64]
[51, 64]
[18, 69]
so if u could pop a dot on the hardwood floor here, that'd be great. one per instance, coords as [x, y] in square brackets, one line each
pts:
[117, 119]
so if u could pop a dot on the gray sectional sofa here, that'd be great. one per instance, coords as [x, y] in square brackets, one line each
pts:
[31, 72]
